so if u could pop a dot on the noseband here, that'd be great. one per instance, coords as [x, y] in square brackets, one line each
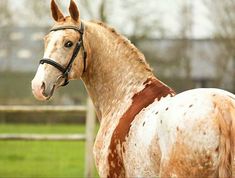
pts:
[65, 70]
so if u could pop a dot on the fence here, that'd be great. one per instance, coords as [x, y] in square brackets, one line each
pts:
[88, 137]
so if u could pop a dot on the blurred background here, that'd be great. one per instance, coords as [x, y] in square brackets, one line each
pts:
[188, 43]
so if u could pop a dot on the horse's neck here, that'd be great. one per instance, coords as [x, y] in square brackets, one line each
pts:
[116, 71]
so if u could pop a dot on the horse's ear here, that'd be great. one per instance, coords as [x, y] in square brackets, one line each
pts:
[56, 12]
[73, 10]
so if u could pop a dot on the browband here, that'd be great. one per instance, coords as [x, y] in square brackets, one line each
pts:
[80, 30]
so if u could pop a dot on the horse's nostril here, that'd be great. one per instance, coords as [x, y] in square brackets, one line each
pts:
[43, 86]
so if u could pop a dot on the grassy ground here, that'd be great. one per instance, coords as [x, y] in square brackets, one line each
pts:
[42, 128]
[42, 159]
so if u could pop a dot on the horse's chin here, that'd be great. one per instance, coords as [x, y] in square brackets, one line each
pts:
[50, 94]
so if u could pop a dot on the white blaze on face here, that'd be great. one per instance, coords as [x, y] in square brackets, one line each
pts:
[37, 83]
[51, 44]
[40, 76]
[40, 73]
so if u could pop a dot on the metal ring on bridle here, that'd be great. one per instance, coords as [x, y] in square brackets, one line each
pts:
[65, 70]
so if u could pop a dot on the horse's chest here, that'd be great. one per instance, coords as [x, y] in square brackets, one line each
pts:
[101, 150]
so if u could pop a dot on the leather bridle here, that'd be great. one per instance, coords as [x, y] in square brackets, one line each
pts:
[65, 70]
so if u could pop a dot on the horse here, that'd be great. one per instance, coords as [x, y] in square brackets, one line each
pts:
[146, 129]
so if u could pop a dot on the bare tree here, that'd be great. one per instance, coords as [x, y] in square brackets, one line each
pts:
[139, 18]
[5, 13]
[38, 11]
[102, 11]
[222, 16]
[5, 31]
[96, 10]
[185, 34]
[142, 18]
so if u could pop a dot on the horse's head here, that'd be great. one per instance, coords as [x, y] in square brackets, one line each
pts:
[64, 55]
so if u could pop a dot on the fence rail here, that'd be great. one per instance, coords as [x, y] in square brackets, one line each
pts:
[44, 137]
[88, 137]
[19, 108]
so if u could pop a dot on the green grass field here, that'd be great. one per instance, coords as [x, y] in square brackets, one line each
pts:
[42, 159]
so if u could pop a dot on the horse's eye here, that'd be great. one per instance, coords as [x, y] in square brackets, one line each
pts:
[68, 44]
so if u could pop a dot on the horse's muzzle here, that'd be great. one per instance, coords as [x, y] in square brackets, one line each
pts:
[41, 91]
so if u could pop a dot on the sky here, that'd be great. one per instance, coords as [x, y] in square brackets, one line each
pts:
[167, 10]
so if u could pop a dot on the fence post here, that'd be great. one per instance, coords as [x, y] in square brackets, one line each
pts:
[90, 135]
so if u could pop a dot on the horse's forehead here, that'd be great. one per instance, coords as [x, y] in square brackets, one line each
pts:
[56, 37]
[52, 42]
[52, 39]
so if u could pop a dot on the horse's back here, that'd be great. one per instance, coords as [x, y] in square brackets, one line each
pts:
[181, 132]
[190, 131]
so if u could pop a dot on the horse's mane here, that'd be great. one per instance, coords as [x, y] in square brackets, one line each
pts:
[138, 55]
